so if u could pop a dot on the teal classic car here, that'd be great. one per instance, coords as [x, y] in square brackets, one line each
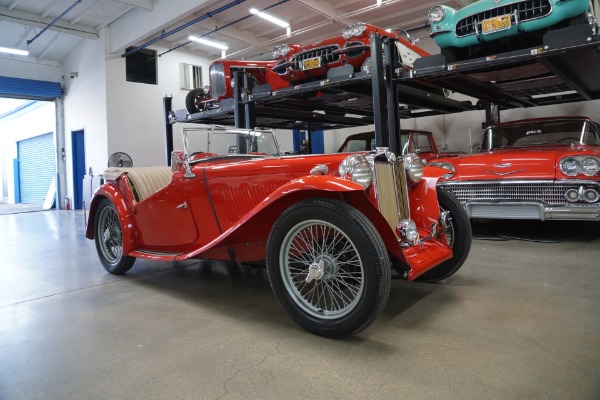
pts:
[495, 26]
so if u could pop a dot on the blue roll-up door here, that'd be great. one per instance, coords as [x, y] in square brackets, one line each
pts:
[37, 167]
[29, 89]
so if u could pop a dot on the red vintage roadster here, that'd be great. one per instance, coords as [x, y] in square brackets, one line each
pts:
[329, 228]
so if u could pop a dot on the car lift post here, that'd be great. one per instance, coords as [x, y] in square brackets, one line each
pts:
[168, 107]
[379, 92]
[391, 64]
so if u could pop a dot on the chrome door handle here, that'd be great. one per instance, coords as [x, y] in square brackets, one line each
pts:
[182, 205]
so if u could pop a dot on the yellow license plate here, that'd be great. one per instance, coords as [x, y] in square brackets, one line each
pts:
[311, 63]
[495, 24]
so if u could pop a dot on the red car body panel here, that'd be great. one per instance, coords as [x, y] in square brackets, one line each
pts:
[530, 171]
[356, 59]
[231, 207]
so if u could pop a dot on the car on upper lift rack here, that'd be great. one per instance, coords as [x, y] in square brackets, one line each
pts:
[329, 228]
[488, 27]
[302, 63]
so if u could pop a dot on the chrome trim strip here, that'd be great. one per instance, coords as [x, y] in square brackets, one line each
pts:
[583, 212]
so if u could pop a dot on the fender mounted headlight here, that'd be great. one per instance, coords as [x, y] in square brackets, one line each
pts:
[575, 165]
[414, 167]
[356, 168]
[437, 14]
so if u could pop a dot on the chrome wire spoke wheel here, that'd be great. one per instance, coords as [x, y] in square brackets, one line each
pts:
[321, 269]
[108, 235]
[111, 243]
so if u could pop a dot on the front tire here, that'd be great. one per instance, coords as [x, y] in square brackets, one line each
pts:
[109, 239]
[458, 235]
[328, 267]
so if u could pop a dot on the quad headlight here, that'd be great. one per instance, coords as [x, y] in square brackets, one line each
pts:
[575, 165]
[353, 31]
[356, 168]
[281, 51]
[437, 14]
[414, 167]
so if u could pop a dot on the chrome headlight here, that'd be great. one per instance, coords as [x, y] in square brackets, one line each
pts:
[437, 14]
[414, 168]
[281, 51]
[353, 31]
[206, 89]
[356, 168]
[575, 165]
[590, 166]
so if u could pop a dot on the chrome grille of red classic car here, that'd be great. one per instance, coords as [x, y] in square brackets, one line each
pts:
[524, 10]
[392, 192]
[323, 53]
[548, 193]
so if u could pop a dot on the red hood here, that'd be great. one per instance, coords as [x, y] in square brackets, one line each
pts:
[527, 163]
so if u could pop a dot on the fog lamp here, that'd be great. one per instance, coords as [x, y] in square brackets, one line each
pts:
[407, 230]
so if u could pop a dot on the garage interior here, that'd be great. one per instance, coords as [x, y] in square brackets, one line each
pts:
[518, 321]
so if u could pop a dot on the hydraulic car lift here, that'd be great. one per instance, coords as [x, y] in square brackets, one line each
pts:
[564, 69]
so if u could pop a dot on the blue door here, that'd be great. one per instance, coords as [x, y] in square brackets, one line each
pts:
[78, 144]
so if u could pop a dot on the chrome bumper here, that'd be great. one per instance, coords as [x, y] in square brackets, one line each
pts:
[532, 210]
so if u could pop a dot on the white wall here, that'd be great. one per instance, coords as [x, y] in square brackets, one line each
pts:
[85, 105]
[136, 122]
[37, 122]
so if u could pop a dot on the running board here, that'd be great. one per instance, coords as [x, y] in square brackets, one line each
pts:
[154, 255]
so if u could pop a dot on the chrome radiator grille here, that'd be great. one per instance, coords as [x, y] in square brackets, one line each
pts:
[392, 192]
[548, 193]
[323, 52]
[525, 10]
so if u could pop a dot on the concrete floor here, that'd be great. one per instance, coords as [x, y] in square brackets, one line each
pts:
[519, 321]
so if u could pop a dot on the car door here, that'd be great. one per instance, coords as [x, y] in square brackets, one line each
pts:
[165, 218]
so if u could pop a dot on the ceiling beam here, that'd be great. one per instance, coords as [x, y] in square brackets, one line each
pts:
[13, 5]
[140, 25]
[79, 16]
[327, 10]
[49, 46]
[144, 4]
[36, 21]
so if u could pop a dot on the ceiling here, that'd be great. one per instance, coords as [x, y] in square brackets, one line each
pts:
[227, 22]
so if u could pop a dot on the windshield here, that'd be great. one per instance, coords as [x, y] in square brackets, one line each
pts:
[544, 132]
[221, 141]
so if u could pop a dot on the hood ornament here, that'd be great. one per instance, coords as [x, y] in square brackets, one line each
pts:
[503, 173]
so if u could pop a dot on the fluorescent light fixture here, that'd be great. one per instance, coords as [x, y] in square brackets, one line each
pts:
[270, 18]
[14, 51]
[208, 42]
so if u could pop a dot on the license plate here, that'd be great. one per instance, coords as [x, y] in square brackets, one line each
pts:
[495, 24]
[311, 63]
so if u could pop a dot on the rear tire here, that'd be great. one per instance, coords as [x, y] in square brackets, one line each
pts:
[328, 267]
[458, 236]
[109, 239]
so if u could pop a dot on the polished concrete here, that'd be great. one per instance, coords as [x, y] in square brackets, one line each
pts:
[521, 320]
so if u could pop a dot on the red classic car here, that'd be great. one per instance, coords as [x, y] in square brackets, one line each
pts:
[301, 63]
[412, 141]
[330, 228]
[221, 82]
[541, 169]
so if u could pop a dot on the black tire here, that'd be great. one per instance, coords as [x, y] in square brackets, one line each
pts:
[109, 239]
[348, 263]
[192, 100]
[459, 236]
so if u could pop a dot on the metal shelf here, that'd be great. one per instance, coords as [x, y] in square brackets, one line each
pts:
[564, 69]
